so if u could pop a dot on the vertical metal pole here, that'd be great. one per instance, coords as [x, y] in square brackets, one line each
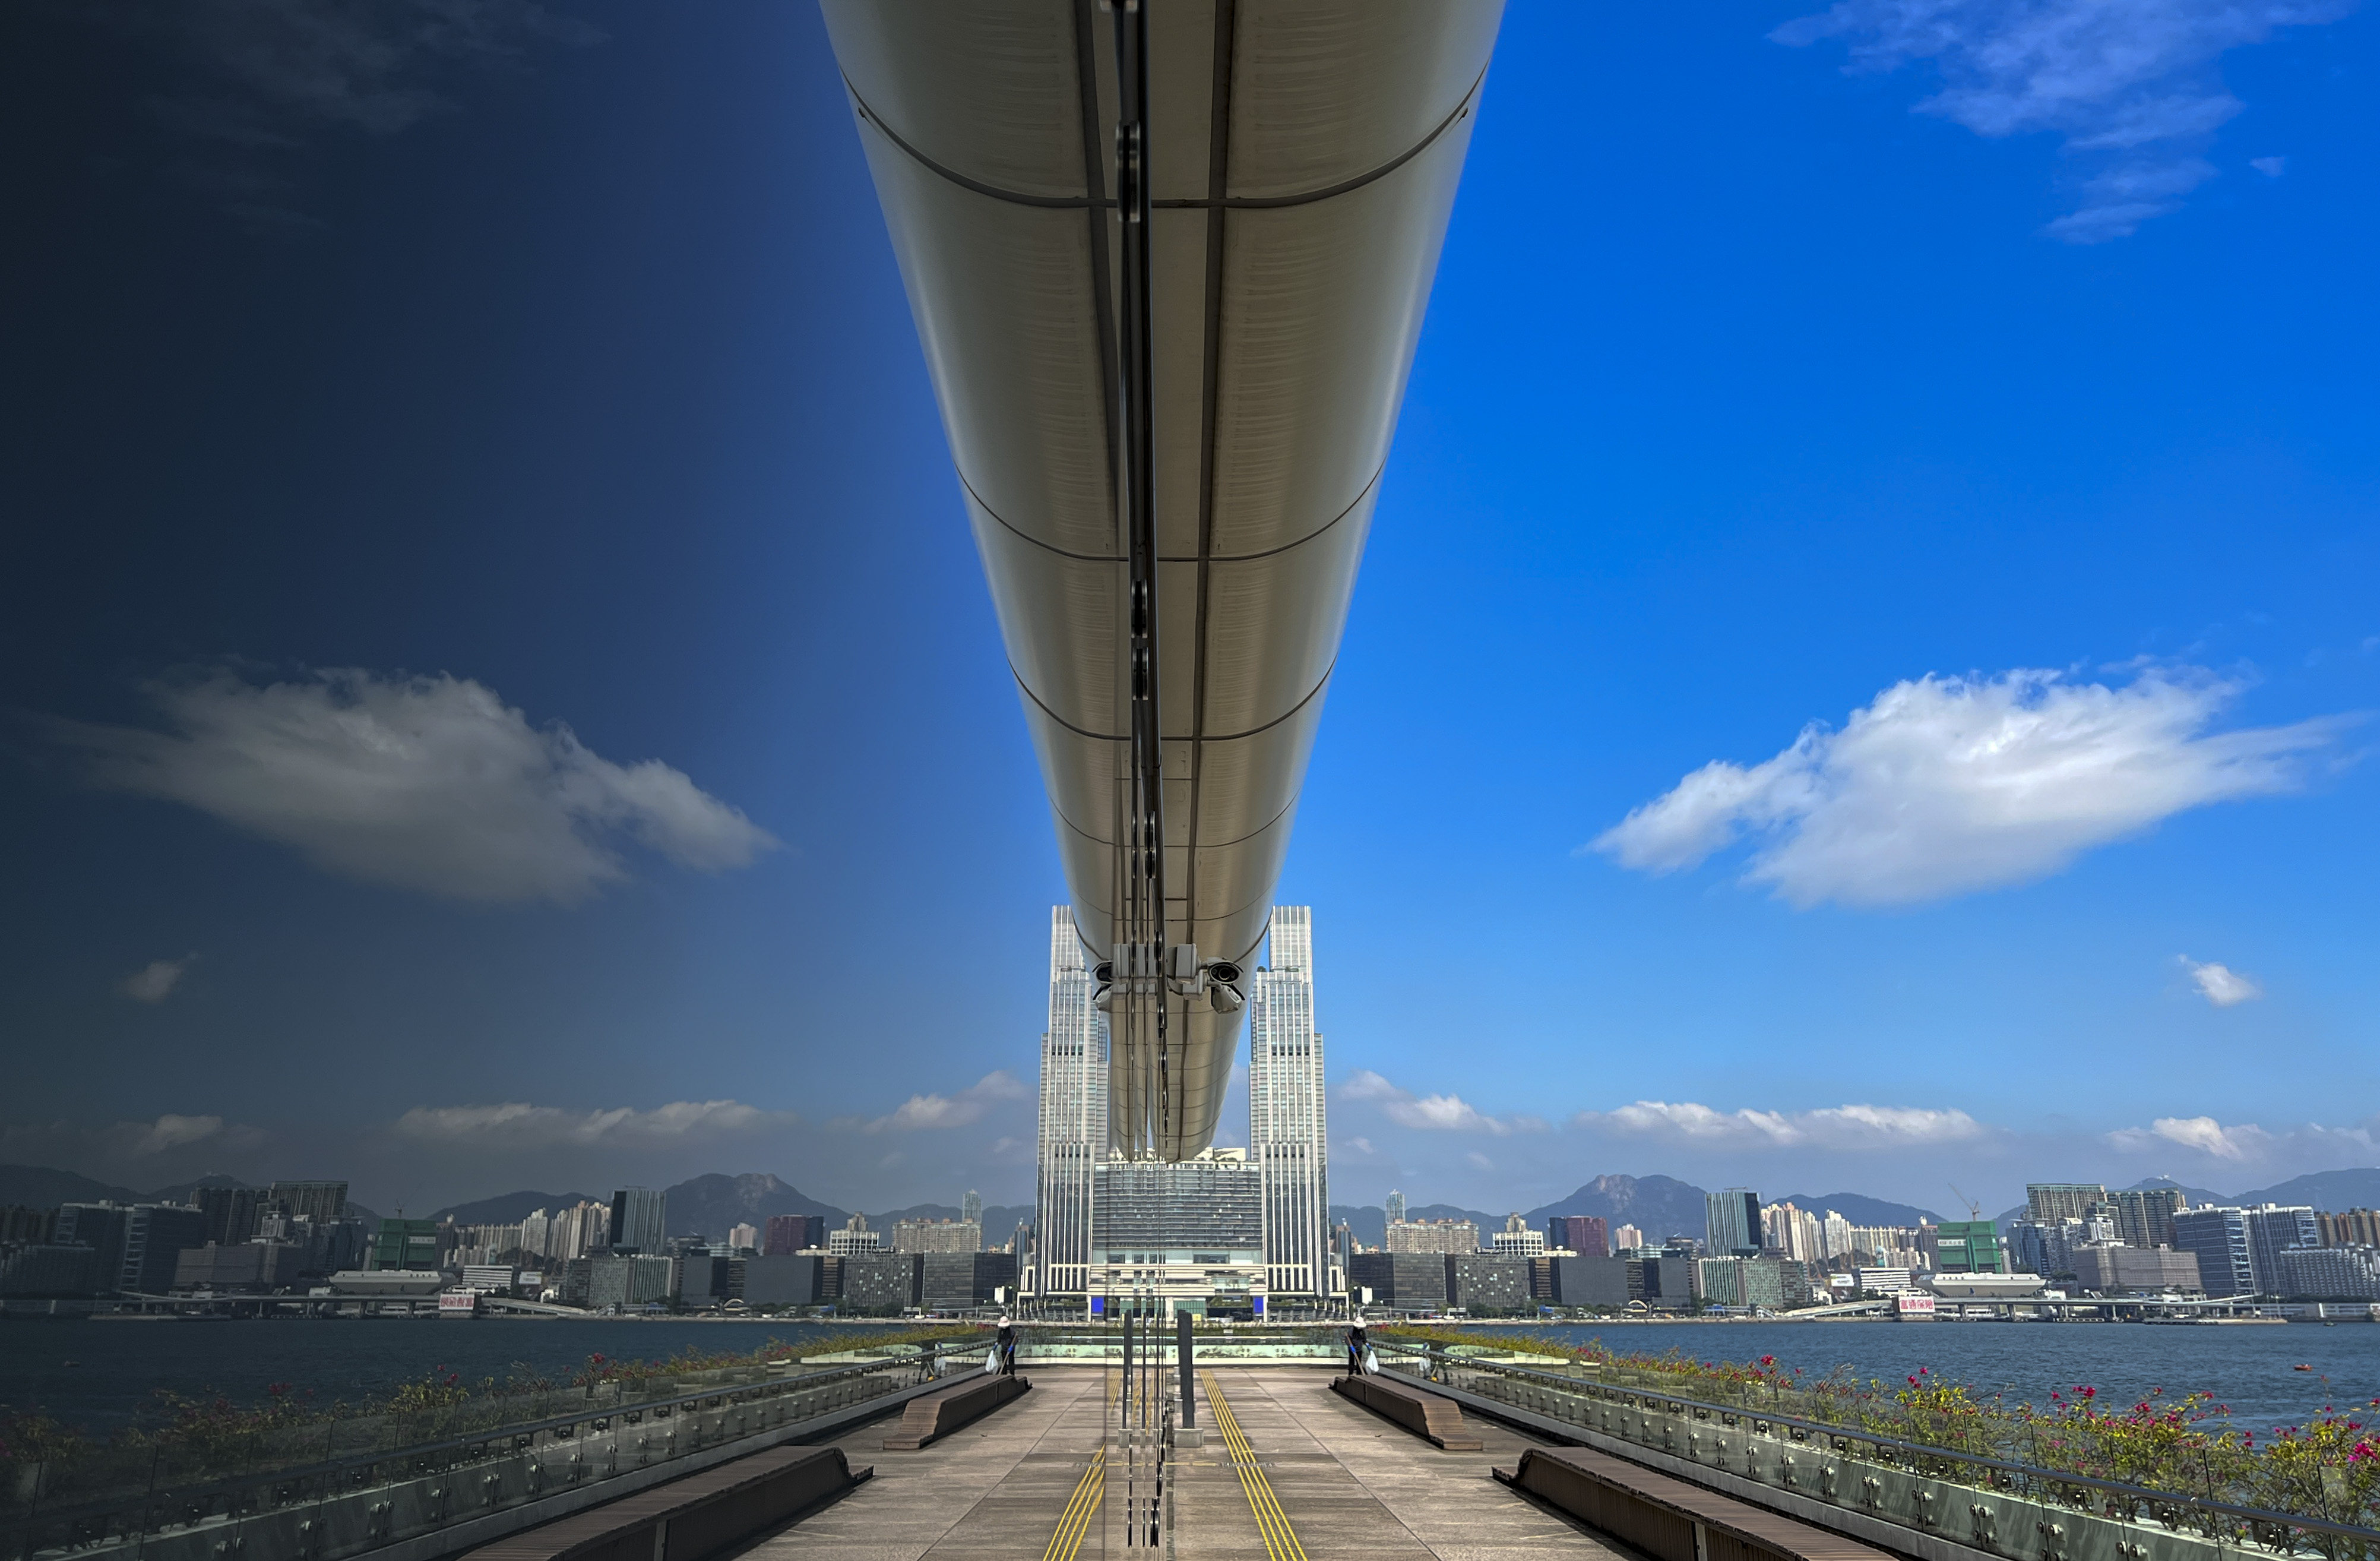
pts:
[1182, 1359]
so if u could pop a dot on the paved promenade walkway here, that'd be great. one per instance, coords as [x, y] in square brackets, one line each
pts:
[1343, 1484]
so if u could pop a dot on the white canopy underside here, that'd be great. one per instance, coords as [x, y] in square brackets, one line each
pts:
[1304, 155]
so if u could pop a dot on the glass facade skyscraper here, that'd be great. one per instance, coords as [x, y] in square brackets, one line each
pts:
[1287, 1135]
[1074, 1117]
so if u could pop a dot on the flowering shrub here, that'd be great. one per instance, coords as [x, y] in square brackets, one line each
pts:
[2328, 1468]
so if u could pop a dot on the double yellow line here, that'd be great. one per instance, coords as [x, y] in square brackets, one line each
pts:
[1076, 1520]
[1279, 1539]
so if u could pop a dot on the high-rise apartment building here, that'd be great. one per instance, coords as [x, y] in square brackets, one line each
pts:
[971, 1207]
[640, 1220]
[1396, 1207]
[1074, 1123]
[1287, 1137]
[2144, 1216]
[324, 1203]
[937, 1236]
[1516, 1239]
[1446, 1238]
[2048, 1202]
[1627, 1238]
[1734, 1219]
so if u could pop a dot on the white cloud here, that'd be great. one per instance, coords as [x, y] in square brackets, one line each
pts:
[1948, 784]
[2220, 984]
[1432, 1113]
[951, 1111]
[2271, 167]
[2131, 85]
[2204, 1134]
[431, 784]
[155, 981]
[1831, 1128]
[518, 1125]
[170, 1131]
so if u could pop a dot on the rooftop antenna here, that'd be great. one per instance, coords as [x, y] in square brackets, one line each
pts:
[1974, 1210]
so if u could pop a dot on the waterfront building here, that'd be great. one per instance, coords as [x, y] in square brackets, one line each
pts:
[640, 1220]
[2275, 1228]
[1287, 1136]
[2347, 1273]
[617, 1281]
[853, 1238]
[1192, 1231]
[2218, 1239]
[937, 1236]
[1734, 1221]
[1588, 1280]
[1719, 1281]
[2048, 1202]
[1881, 1281]
[1516, 1239]
[240, 1266]
[413, 1245]
[1442, 1237]
[51, 1270]
[786, 1234]
[2144, 1216]
[961, 1281]
[1969, 1246]
[2120, 1269]
[785, 1279]
[1395, 1207]
[1401, 1281]
[1490, 1284]
[1664, 1283]
[1073, 1136]
[155, 1235]
[1588, 1235]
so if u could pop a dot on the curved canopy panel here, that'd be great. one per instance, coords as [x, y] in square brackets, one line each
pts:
[1182, 383]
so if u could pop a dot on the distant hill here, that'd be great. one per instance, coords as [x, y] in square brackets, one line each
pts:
[712, 1205]
[1660, 1206]
[1861, 1210]
[2332, 1190]
[511, 1208]
[38, 1187]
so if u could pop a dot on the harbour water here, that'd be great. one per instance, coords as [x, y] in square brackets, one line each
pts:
[102, 1375]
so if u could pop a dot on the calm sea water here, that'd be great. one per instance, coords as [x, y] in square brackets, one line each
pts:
[102, 1374]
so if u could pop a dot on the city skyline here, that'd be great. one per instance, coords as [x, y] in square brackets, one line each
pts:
[480, 660]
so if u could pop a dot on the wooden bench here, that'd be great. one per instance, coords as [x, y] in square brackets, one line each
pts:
[690, 1519]
[935, 1415]
[1669, 1519]
[1425, 1414]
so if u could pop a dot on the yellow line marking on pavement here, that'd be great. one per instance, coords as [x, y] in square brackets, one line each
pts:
[1279, 1539]
[1076, 1519]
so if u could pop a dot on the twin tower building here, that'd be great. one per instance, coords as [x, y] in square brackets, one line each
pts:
[1243, 1231]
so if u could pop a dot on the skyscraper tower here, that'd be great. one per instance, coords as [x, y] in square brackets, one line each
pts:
[1286, 1133]
[1073, 1130]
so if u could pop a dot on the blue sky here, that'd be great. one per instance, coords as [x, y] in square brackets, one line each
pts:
[1913, 378]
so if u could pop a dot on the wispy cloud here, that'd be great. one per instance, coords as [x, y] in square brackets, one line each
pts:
[155, 981]
[517, 1125]
[2131, 85]
[1430, 1113]
[2220, 984]
[1948, 784]
[431, 784]
[959, 1110]
[122, 1146]
[1831, 1128]
[2307, 1145]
